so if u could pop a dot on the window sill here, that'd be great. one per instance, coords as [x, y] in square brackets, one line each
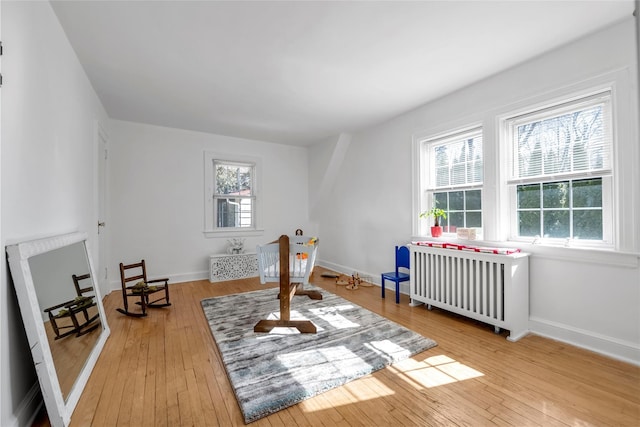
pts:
[608, 257]
[235, 232]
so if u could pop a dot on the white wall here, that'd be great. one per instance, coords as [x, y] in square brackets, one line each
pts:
[48, 169]
[156, 197]
[48, 179]
[587, 298]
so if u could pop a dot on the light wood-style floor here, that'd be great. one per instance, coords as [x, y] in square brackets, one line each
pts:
[165, 370]
[69, 353]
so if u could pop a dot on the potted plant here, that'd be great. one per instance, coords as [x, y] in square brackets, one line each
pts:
[436, 213]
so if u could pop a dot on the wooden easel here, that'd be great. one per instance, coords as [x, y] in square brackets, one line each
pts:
[287, 291]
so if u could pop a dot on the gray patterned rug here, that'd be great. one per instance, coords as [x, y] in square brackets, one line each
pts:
[270, 372]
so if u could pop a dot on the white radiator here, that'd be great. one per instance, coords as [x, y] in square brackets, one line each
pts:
[491, 288]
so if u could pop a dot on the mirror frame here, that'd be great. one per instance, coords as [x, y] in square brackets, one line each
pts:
[59, 410]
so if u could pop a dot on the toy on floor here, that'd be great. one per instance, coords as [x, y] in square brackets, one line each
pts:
[330, 275]
[353, 282]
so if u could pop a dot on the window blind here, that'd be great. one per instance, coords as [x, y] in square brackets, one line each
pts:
[561, 142]
[456, 160]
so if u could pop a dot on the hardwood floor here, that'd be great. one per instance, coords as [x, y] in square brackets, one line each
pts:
[165, 370]
[70, 353]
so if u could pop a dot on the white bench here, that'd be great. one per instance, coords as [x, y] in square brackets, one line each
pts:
[232, 266]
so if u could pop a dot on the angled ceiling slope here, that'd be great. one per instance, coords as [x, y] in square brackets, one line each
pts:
[299, 72]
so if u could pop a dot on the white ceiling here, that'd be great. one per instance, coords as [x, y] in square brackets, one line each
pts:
[298, 72]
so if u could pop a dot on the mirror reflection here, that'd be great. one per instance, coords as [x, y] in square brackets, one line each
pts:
[67, 301]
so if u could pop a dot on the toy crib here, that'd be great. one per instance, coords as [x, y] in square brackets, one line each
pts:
[302, 257]
[288, 261]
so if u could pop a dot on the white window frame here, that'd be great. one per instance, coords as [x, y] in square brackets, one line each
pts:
[210, 227]
[550, 109]
[424, 173]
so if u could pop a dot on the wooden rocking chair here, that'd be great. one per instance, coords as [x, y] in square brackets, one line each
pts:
[142, 290]
[73, 317]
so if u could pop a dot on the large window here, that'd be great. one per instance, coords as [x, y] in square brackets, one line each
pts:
[560, 171]
[452, 177]
[231, 196]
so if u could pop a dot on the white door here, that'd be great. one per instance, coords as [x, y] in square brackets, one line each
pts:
[102, 225]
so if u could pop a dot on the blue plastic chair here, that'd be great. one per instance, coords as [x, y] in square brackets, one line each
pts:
[402, 261]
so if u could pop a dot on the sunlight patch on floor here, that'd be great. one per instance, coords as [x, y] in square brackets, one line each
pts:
[332, 316]
[365, 388]
[387, 347]
[434, 371]
[335, 359]
[431, 372]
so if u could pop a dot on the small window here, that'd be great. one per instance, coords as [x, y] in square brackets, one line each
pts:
[231, 196]
[234, 196]
[452, 178]
[560, 171]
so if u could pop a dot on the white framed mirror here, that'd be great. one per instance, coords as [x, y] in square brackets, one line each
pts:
[63, 316]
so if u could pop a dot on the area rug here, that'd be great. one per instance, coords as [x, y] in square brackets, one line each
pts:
[270, 372]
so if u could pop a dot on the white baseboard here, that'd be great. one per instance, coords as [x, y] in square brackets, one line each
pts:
[375, 277]
[343, 269]
[28, 408]
[188, 277]
[114, 285]
[625, 351]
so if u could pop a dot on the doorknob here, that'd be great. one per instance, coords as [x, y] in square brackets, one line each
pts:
[101, 224]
